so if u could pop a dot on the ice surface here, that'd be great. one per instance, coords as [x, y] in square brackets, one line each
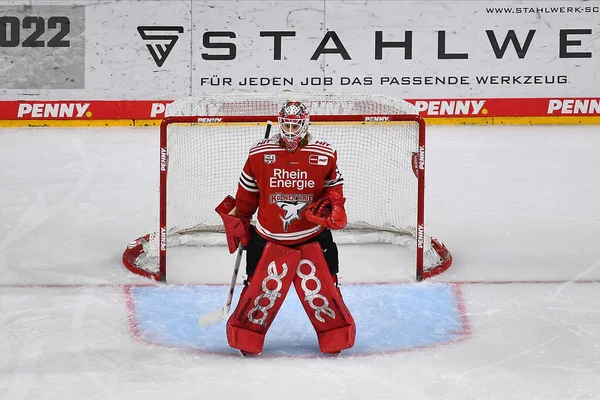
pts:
[517, 206]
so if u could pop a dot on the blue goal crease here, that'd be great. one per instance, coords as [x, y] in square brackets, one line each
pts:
[389, 318]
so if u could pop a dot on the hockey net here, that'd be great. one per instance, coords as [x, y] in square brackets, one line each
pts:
[205, 141]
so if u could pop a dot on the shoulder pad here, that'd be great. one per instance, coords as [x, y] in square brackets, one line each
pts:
[320, 145]
[270, 144]
[265, 142]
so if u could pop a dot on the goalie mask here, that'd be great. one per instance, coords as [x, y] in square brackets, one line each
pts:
[293, 121]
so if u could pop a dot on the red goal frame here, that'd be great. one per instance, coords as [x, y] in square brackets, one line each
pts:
[418, 168]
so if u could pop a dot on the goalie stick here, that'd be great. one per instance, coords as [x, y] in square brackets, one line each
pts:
[219, 315]
[222, 313]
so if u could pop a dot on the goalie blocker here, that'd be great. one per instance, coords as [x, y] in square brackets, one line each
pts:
[280, 267]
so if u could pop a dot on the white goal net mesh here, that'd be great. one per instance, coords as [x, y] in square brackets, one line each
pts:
[375, 158]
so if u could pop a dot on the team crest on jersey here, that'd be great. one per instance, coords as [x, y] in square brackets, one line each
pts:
[269, 158]
[292, 204]
[315, 159]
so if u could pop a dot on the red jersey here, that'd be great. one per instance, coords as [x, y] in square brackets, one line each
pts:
[281, 184]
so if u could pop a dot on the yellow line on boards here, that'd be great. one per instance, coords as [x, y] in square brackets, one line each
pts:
[20, 123]
[546, 120]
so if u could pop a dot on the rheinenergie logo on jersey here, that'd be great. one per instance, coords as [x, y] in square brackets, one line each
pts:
[297, 179]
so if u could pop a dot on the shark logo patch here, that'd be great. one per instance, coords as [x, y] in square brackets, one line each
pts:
[292, 204]
[292, 212]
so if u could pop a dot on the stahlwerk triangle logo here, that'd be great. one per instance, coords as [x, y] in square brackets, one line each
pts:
[160, 51]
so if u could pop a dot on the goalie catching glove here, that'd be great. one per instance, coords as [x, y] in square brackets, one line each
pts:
[328, 211]
[236, 228]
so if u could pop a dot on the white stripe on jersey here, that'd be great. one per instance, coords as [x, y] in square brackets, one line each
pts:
[335, 182]
[248, 182]
[265, 143]
[314, 146]
[313, 150]
[338, 180]
[287, 236]
[269, 149]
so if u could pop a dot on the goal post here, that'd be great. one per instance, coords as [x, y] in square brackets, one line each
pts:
[205, 141]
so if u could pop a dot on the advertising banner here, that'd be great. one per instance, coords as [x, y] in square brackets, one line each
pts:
[144, 50]
[425, 49]
[459, 110]
[42, 48]
[470, 59]
[109, 50]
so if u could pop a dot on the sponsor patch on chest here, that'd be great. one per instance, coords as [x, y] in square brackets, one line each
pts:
[315, 159]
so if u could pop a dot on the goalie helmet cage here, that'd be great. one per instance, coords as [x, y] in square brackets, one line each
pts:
[204, 142]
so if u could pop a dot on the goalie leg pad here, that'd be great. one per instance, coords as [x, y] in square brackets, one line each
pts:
[323, 302]
[261, 299]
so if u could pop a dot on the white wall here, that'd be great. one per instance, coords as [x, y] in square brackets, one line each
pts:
[118, 65]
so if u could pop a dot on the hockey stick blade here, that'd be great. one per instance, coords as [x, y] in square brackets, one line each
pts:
[220, 314]
[213, 317]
